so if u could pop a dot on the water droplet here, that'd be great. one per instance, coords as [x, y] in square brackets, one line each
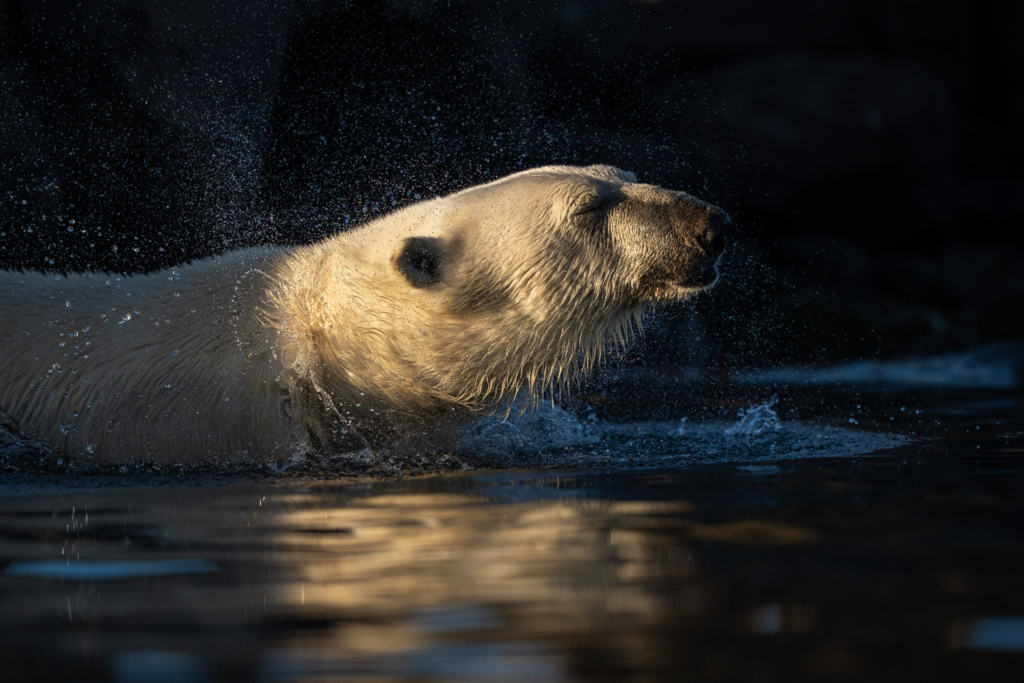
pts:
[174, 352]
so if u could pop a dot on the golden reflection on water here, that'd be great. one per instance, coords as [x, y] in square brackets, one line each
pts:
[437, 585]
[398, 552]
[437, 567]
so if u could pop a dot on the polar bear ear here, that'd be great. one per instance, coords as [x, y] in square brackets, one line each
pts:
[421, 260]
[610, 173]
[594, 197]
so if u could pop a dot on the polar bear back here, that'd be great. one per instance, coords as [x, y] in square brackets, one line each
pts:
[151, 367]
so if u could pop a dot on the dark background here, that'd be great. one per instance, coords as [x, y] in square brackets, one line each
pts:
[868, 149]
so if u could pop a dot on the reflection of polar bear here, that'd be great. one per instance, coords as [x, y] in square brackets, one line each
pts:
[393, 331]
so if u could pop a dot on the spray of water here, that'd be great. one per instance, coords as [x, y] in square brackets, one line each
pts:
[756, 421]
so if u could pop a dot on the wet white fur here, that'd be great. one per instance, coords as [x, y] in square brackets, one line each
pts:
[228, 358]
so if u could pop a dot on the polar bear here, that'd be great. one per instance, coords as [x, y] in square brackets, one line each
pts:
[385, 336]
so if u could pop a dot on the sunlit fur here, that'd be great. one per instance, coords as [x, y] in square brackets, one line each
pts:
[542, 273]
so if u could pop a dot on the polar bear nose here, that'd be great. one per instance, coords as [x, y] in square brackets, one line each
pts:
[718, 226]
[720, 222]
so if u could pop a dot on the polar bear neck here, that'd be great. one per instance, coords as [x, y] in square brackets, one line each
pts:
[362, 340]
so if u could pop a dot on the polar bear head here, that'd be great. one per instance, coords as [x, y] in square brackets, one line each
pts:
[518, 284]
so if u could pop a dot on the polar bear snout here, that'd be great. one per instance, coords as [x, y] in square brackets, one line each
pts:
[700, 230]
[698, 267]
[684, 239]
[717, 227]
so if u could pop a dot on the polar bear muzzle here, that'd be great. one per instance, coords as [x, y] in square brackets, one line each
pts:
[673, 241]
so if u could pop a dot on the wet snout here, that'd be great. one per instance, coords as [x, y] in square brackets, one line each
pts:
[697, 234]
[680, 241]
[701, 226]
[702, 231]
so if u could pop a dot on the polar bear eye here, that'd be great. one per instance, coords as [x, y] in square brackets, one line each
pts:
[420, 260]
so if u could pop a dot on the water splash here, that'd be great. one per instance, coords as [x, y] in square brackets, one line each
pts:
[525, 429]
[756, 420]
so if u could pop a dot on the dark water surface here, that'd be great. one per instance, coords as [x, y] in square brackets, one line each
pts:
[875, 533]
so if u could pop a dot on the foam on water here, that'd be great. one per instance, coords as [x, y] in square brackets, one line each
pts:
[553, 437]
